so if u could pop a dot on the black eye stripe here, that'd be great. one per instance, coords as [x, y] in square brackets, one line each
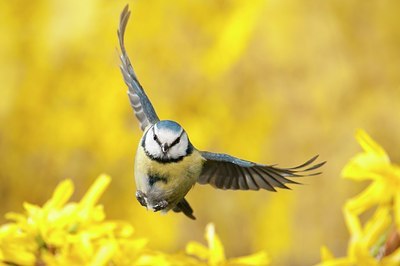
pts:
[177, 140]
[156, 138]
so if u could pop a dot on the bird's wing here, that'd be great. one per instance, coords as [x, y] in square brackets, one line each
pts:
[140, 103]
[227, 172]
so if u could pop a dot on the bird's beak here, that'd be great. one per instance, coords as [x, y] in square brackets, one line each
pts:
[164, 147]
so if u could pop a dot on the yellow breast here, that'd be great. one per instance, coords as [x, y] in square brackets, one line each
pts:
[180, 175]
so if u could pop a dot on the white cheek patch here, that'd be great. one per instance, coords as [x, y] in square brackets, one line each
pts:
[151, 146]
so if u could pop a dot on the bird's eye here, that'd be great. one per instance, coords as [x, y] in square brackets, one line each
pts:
[155, 137]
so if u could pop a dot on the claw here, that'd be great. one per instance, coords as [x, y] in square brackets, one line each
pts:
[161, 205]
[142, 198]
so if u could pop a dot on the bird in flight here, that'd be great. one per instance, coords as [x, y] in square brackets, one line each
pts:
[167, 165]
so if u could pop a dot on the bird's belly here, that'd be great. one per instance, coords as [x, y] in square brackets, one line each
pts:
[166, 181]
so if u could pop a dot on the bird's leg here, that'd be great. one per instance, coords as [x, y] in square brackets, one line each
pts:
[161, 205]
[142, 198]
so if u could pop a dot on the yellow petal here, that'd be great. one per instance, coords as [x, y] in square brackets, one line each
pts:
[15, 217]
[374, 194]
[360, 168]
[361, 255]
[135, 244]
[359, 204]
[217, 254]
[326, 254]
[371, 164]
[353, 224]
[257, 259]
[198, 250]
[19, 256]
[104, 254]
[95, 191]
[123, 229]
[397, 210]
[60, 196]
[338, 262]
[377, 225]
[31, 209]
[83, 243]
[154, 259]
[369, 145]
[96, 213]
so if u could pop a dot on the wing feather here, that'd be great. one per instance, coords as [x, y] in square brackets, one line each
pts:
[273, 178]
[249, 178]
[227, 172]
[142, 107]
[262, 182]
[241, 181]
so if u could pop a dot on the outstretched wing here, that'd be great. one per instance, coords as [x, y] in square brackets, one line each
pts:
[140, 103]
[227, 172]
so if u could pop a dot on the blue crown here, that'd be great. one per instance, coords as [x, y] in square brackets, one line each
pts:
[170, 125]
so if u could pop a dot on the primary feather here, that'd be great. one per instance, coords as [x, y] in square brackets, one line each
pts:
[140, 103]
[227, 172]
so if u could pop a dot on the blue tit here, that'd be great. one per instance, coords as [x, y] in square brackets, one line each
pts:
[167, 165]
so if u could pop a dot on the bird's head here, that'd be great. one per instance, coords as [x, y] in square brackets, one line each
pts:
[166, 141]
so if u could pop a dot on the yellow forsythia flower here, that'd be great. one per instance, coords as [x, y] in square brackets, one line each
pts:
[61, 233]
[367, 241]
[214, 253]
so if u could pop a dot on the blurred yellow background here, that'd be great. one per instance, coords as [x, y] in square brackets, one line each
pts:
[269, 81]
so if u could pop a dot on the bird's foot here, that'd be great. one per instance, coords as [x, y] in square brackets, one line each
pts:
[161, 205]
[142, 198]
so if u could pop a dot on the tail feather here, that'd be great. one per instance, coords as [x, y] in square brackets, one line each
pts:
[183, 206]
